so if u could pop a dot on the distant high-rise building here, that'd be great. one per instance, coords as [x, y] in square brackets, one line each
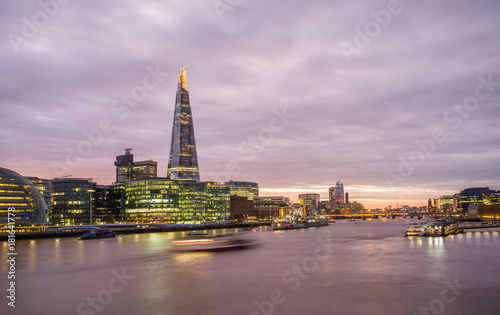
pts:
[336, 194]
[127, 169]
[144, 169]
[123, 165]
[249, 190]
[183, 163]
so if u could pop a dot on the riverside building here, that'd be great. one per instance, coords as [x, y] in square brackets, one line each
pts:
[20, 197]
[163, 200]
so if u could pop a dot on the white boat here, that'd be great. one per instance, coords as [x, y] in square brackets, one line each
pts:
[213, 244]
[415, 229]
[299, 223]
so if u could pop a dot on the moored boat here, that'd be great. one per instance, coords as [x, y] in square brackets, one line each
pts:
[195, 233]
[299, 223]
[442, 228]
[93, 234]
[415, 229]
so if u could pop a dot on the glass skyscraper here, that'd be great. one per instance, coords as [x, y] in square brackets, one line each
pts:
[336, 194]
[183, 163]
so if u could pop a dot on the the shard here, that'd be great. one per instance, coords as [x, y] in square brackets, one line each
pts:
[183, 163]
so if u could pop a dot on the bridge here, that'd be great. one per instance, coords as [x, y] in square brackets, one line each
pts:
[392, 214]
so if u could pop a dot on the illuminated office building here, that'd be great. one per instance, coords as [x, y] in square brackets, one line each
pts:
[107, 203]
[218, 202]
[445, 203]
[249, 190]
[477, 196]
[71, 200]
[18, 193]
[183, 164]
[172, 201]
[144, 169]
[44, 187]
[494, 198]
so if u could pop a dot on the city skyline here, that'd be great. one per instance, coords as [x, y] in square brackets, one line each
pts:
[291, 97]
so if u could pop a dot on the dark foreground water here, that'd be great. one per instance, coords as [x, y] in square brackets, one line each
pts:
[345, 268]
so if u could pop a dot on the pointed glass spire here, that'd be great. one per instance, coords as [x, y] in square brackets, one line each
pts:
[183, 163]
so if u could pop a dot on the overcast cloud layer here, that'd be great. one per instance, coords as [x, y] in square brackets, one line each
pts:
[357, 114]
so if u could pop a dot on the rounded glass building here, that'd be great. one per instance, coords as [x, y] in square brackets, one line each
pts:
[21, 197]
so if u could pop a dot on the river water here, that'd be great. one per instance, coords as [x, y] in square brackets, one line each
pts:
[366, 267]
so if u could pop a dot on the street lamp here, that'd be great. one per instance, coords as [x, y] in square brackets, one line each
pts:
[91, 191]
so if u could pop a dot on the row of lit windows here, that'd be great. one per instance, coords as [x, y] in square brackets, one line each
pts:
[12, 197]
[14, 204]
[77, 202]
[8, 185]
[17, 210]
[164, 210]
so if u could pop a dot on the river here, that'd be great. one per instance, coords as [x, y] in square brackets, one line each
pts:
[366, 267]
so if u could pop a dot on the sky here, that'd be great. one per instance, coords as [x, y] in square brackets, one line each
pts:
[400, 100]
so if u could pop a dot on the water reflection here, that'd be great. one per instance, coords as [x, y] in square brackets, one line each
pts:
[372, 269]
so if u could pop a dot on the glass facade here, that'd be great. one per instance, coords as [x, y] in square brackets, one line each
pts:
[107, 203]
[249, 190]
[44, 187]
[152, 200]
[494, 197]
[183, 163]
[336, 194]
[170, 201]
[71, 201]
[19, 193]
[218, 206]
[474, 196]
